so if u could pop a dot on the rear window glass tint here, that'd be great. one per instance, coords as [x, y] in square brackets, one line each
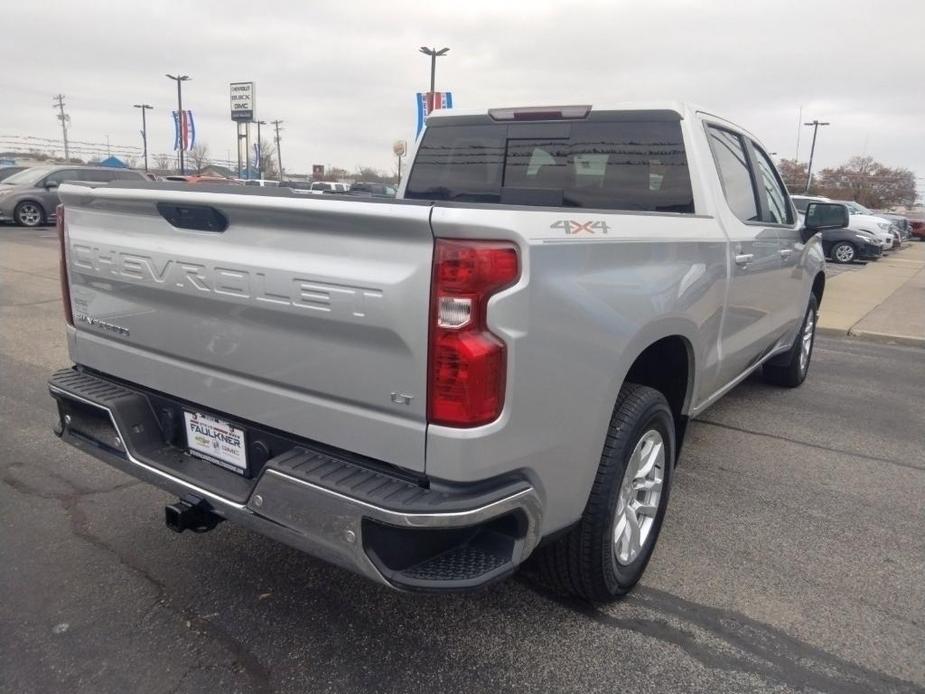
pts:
[620, 166]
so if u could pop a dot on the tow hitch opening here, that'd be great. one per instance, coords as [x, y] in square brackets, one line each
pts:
[191, 513]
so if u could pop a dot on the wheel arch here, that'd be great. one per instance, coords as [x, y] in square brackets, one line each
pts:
[818, 287]
[667, 364]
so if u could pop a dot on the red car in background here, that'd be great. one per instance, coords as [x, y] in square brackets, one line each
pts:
[918, 228]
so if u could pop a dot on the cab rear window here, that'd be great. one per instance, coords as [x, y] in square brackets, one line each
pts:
[625, 165]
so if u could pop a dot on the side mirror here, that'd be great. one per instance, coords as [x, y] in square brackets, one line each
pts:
[51, 185]
[824, 215]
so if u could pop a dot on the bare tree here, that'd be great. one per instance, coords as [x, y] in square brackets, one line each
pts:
[334, 173]
[198, 157]
[131, 161]
[367, 173]
[868, 182]
[268, 166]
[794, 174]
[164, 162]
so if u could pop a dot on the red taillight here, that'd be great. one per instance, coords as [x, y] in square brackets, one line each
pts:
[467, 363]
[65, 286]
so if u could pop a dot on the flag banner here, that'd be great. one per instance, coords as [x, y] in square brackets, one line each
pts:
[256, 155]
[184, 129]
[431, 101]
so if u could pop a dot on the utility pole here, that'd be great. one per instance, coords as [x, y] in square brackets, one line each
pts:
[180, 79]
[812, 151]
[434, 54]
[279, 152]
[247, 150]
[144, 130]
[240, 137]
[260, 150]
[65, 119]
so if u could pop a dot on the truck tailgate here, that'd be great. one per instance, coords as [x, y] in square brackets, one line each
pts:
[305, 315]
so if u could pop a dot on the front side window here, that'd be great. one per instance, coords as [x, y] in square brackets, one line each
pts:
[28, 177]
[732, 163]
[775, 193]
[621, 165]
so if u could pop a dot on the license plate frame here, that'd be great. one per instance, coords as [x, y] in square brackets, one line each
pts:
[216, 441]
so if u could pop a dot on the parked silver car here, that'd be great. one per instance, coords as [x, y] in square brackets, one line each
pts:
[30, 197]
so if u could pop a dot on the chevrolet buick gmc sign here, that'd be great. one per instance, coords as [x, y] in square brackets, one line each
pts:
[243, 101]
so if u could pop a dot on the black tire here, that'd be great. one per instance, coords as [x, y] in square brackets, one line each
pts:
[29, 213]
[583, 562]
[846, 250]
[789, 370]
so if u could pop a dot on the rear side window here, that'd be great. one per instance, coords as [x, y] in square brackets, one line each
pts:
[775, 194]
[622, 165]
[732, 163]
[65, 175]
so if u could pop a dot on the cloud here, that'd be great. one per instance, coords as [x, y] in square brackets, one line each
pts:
[343, 75]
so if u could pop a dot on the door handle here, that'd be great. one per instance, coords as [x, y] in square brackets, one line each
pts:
[785, 252]
[743, 259]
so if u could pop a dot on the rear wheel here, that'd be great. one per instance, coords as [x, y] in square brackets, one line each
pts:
[790, 370]
[844, 252]
[605, 554]
[29, 214]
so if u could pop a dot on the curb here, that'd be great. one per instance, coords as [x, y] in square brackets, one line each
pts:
[830, 332]
[869, 336]
[886, 338]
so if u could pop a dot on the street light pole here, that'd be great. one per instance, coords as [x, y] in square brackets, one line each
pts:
[260, 150]
[812, 151]
[434, 54]
[144, 130]
[179, 79]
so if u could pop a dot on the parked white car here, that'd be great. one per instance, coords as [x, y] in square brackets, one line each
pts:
[261, 182]
[322, 187]
[861, 219]
[859, 212]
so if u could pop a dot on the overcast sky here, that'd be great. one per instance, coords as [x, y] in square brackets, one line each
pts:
[343, 74]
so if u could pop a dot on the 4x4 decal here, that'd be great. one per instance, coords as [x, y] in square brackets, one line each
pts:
[572, 227]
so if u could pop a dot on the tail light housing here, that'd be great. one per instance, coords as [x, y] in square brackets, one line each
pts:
[467, 363]
[65, 285]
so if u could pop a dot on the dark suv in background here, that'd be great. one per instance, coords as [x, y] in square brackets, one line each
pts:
[30, 197]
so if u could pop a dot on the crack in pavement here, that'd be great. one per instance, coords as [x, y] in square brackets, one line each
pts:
[779, 437]
[32, 303]
[80, 527]
[760, 649]
[54, 278]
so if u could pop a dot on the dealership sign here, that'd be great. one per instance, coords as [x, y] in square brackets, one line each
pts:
[243, 101]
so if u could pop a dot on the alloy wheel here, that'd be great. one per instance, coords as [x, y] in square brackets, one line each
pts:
[844, 253]
[639, 496]
[29, 214]
[806, 340]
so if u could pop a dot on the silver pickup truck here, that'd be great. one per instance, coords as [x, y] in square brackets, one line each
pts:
[500, 363]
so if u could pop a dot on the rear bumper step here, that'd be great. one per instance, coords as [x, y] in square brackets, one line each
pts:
[422, 535]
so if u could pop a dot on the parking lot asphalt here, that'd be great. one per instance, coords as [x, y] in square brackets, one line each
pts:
[792, 558]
